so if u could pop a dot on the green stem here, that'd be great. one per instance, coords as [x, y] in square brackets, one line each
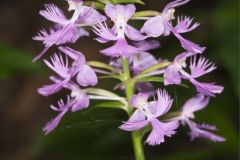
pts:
[136, 135]
[126, 75]
[137, 145]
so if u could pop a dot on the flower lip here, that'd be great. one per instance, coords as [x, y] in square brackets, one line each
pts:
[147, 113]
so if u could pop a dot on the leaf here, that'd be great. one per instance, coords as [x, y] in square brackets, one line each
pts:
[104, 1]
[154, 67]
[144, 79]
[146, 14]
[128, 1]
[14, 61]
[168, 116]
[93, 4]
[145, 130]
[100, 4]
[150, 79]
[112, 105]
[102, 92]
[106, 94]
[102, 65]
[109, 77]
[156, 79]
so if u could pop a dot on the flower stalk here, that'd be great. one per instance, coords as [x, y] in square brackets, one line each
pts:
[136, 135]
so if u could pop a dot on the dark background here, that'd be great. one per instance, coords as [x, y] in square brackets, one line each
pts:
[94, 134]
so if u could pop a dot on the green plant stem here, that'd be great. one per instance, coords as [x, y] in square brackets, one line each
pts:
[136, 135]
[137, 145]
[128, 86]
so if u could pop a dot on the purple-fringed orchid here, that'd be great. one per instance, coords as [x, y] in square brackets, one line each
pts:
[120, 15]
[66, 30]
[162, 25]
[198, 67]
[85, 74]
[195, 104]
[147, 113]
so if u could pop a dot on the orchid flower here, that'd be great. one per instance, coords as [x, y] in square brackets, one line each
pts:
[62, 108]
[86, 75]
[120, 15]
[162, 25]
[66, 72]
[65, 30]
[201, 66]
[79, 101]
[194, 104]
[147, 113]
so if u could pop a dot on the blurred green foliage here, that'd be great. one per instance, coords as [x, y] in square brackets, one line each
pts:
[16, 61]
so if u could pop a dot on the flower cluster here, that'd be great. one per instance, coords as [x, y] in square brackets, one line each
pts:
[130, 45]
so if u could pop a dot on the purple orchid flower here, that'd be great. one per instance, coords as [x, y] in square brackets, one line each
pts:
[120, 15]
[78, 101]
[194, 104]
[162, 25]
[147, 113]
[86, 76]
[66, 72]
[66, 30]
[62, 108]
[63, 70]
[174, 74]
[74, 4]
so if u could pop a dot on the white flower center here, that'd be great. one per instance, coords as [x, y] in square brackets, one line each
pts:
[120, 26]
[145, 110]
[141, 102]
[180, 64]
[170, 14]
[75, 93]
[186, 115]
[77, 8]
[73, 6]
